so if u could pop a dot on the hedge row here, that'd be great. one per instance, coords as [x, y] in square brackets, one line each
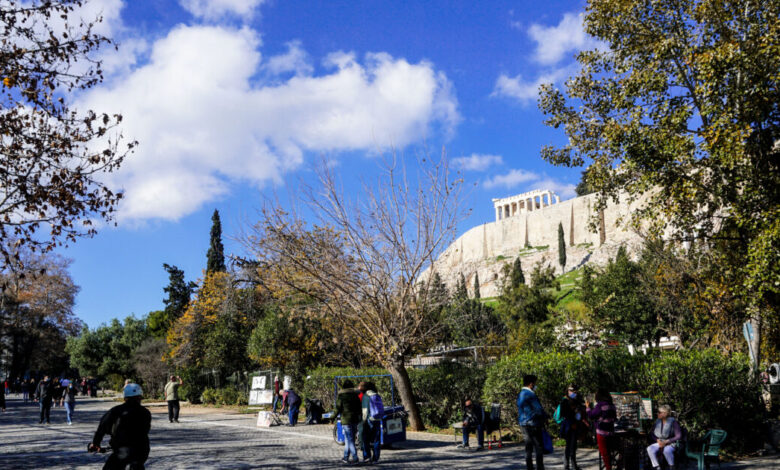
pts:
[707, 389]
[439, 390]
[224, 396]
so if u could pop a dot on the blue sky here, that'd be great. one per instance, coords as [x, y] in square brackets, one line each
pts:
[233, 100]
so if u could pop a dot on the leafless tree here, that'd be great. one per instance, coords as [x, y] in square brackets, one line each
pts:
[366, 259]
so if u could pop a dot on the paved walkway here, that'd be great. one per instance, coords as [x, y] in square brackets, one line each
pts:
[210, 438]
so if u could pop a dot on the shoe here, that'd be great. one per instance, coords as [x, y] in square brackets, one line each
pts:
[175, 420]
[70, 424]
[462, 446]
[479, 448]
[345, 461]
[170, 420]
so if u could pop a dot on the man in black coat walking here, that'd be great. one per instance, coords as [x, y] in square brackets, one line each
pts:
[44, 395]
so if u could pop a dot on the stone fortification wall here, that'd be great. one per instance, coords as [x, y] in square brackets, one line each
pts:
[533, 236]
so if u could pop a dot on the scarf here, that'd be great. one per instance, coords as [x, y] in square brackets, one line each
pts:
[664, 431]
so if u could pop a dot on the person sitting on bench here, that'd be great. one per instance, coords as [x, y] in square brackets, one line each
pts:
[473, 420]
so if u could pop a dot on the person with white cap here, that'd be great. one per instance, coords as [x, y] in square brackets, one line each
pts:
[128, 425]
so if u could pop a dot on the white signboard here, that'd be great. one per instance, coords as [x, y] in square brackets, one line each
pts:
[261, 397]
[258, 382]
[394, 426]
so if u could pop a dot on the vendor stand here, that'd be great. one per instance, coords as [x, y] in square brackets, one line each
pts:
[630, 439]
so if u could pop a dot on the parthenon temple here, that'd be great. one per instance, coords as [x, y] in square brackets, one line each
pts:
[522, 203]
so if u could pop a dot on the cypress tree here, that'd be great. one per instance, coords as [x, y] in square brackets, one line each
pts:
[476, 286]
[461, 293]
[561, 246]
[517, 276]
[216, 254]
[439, 296]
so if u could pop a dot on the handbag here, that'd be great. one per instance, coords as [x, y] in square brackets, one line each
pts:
[547, 444]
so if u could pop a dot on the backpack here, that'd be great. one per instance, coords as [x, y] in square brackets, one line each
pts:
[557, 415]
[376, 408]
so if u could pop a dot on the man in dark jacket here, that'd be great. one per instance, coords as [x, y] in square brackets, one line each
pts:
[473, 420]
[44, 395]
[349, 406]
[128, 425]
[292, 402]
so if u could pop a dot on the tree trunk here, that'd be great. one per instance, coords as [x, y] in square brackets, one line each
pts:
[404, 386]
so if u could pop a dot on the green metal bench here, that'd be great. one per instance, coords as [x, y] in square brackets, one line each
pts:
[710, 448]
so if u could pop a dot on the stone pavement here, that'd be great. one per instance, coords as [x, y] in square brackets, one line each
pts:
[211, 438]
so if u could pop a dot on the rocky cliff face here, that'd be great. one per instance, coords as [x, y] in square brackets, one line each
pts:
[591, 238]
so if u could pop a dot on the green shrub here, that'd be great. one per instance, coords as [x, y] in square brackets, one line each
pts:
[114, 382]
[441, 390]
[319, 383]
[707, 389]
[228, 396]
[554, 369]
[209, 396]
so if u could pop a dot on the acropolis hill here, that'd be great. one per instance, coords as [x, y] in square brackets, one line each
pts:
[526, 225]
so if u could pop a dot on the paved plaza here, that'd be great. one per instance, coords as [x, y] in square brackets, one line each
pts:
[213, 438]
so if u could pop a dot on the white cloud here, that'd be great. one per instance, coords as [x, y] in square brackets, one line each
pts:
[529, 180]
[477, 162]
[205, 121]
[216, 9]
[553, 43]
[510, 180]
[527, 91]
[295, 60]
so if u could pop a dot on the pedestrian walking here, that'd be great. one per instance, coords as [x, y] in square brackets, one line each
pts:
[572, 411]
[277, 388]
[69, 397]
[373, 410]
[44, 394]
[128, 425]
[25, 391]
[603, 415]
[172, 397]
[350, 408]
[57, 392]
[531, 418]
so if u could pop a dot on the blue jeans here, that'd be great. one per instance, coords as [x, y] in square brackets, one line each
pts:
[480, 434]
[276, 400]
[372, 438]
[349, 431]
[69, 406]
[292, 414]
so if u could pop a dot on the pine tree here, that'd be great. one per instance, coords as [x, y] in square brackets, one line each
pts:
[216, 254]
[179, 292]
[561, 247]
[476, 286]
